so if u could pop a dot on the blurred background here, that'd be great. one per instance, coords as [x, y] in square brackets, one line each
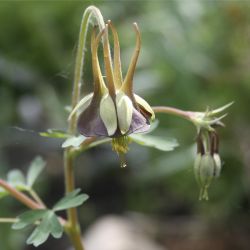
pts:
[194, 54]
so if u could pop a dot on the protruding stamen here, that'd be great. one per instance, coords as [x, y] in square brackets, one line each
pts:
[117, 57]
[120, 146]
[128, 82]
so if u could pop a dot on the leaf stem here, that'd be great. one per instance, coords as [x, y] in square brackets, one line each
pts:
[26, 200]
[8, 220]
[20, 196]
[36, 197]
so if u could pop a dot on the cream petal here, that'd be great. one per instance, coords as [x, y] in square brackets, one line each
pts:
[82, 105]
[108, 114]
[145, 105]
[124, 112]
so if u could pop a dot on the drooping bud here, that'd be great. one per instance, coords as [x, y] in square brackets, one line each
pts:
[207, 165]
[204, 172]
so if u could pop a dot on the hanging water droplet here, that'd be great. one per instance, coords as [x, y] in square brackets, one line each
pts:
[123, 162]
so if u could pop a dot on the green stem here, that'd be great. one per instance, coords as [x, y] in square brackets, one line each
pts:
[73, 227]
[8, 220]
[73, 224]
[36, 197]
[80, 57]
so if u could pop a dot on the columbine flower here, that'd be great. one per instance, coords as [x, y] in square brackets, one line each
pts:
[207, 164]
[113, 110]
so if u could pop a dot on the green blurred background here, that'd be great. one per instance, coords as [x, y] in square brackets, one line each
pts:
[194, 54]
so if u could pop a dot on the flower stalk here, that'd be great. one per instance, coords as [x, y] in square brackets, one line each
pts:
[73, 226]
[80, 57]
[173, 111]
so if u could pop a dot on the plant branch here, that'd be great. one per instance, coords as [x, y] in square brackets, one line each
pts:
[20, 196]
[25, 200]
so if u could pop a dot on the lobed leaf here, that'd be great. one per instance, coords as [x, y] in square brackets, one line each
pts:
[155, 142]
[74, 141]
[71, 200]
[16, 179]
[35, 169]
[28, 218]
[55, 133]
[41, 232]
[55, 226]
[49, 225]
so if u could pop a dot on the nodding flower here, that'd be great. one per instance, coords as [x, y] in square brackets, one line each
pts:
[113, 109]
[207, 164]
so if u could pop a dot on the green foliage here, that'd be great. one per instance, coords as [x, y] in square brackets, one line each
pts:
[16, 178]
[49, 225]
[155, 142]
[70, 200]
[74, 141]
[54, 133]
[46, 221]
[35, 170]
[29, 217]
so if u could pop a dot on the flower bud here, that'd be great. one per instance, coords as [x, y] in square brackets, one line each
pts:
[204, 169]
